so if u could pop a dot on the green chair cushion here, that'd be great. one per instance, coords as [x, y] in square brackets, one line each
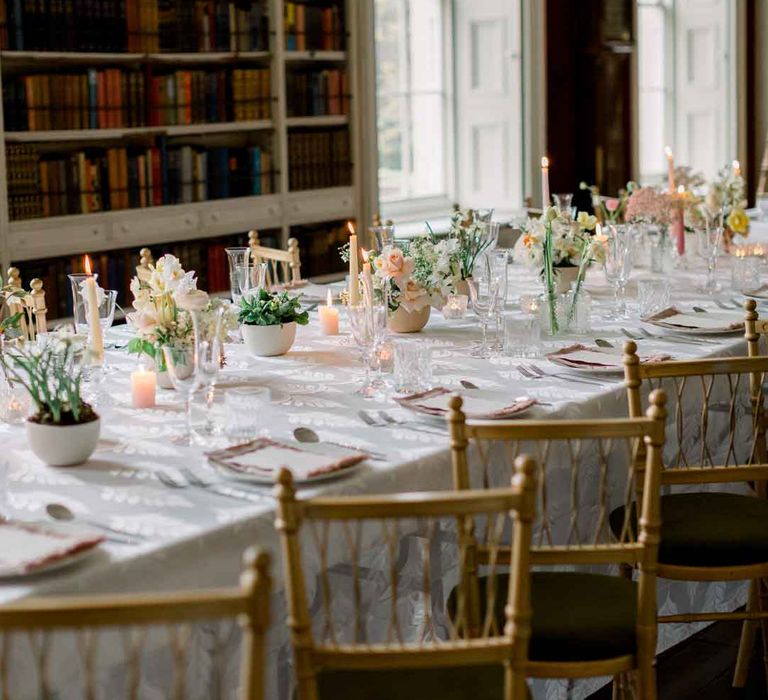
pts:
[576, 616]
[709, 529]
[452, 683]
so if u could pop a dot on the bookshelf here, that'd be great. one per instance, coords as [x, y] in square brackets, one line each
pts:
[282, 206]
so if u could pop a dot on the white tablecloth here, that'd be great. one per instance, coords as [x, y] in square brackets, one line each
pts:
[195, 538]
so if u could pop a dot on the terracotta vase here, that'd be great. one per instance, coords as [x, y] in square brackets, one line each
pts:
[564, 278]
[402, 321]
[463, 287]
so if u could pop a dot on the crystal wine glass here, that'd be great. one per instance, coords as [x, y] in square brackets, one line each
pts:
[368, 325]
[618, 268]
[183, 367]
[484, 293]
[209, 358]
[708, 239]
[499, 265]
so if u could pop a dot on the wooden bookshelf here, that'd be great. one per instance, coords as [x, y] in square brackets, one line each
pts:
[52, 237]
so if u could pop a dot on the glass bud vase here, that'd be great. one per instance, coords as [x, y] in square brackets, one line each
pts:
[560, 324]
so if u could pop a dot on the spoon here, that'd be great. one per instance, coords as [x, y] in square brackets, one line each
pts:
[58, 511]
[468, 385]
[603, 343]
[309, 436]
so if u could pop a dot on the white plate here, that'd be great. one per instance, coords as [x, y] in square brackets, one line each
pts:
[269, 480]
[693, 331]
[56, 565]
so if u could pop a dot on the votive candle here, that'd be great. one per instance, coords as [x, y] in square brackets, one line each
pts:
[329, 317]
[143, 388]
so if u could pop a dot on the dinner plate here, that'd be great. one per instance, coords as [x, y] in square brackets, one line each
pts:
[63, 562]
[558, 356]
[269, 479]
[732, 323]
[479, 404]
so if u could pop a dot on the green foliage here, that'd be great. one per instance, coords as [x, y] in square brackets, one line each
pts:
[265, 309]
[52, 378]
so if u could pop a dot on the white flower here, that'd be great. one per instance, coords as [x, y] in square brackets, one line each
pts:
[191, 299]
[143, 322]
[100, 295]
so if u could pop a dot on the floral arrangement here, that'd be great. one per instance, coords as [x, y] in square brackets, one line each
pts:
[608, 209]
[729, 192]
[650, 206]
[418, 275]
[569, 238]
[163, 305]
[266, 309]
[472, 238]
[53, 379]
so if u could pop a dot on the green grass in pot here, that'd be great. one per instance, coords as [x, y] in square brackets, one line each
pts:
[265, 309]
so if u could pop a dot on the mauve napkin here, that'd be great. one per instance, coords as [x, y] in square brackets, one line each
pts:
[583, 356]
[477, 405]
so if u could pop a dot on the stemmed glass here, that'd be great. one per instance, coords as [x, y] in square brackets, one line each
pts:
[618, 267]
[209, 356]
[237, 258]
[368, 325]
[484, 293]
[708, 241]
[184, 372]
[499, 266]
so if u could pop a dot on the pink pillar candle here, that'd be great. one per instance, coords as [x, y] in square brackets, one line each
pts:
[329, 317]
[143, 388]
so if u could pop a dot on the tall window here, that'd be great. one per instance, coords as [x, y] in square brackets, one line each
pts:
[412, 99]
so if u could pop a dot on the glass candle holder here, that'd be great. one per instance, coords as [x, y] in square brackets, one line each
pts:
[529, 304]
[745, 272]
[456, 307]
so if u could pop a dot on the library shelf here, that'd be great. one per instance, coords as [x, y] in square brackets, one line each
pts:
[318, 121]
[25, 59]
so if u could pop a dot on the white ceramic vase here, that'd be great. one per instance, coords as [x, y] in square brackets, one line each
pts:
[63, 445]
[402, 321]
[269, 341]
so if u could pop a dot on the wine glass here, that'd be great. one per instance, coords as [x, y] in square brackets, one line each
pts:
[368, 324]
[708, 239]
[618, 267]
[484, 294]
[209, 360]
[499, 264]
[183, 367]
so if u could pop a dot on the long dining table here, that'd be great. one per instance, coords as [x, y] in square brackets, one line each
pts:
[191, 532]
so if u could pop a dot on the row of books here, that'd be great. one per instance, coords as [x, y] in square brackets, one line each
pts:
[21, 164]
[115, 98]
[137, 26]
[319, 159]
[317, 92]
[313, 28]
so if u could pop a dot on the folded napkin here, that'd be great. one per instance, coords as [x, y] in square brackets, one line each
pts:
[581, 356]
[27, 547]
[760, 292]
[714, 321]
[476, 404]
[264, 457]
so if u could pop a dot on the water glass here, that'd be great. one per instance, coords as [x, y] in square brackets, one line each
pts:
[183, 367]
[708, 240]
[242, 409]
[761, 202]
[660, 248]
[237, 258]
[745, 272]
[653, 296]
[413, 366]
[209, 359]
[78, 301]
[369, 326]
[485, 294]
[563, 203]
[521, 336]
[107, 309]
[384, 235]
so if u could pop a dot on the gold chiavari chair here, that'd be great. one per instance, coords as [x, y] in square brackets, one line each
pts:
[31, 305]
[719, 437]
[585, 623]
[91, 617]
[369, 653]
[283, 266]
[143, 269]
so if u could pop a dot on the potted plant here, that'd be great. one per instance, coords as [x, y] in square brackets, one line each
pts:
[65, 429]
[268, 322]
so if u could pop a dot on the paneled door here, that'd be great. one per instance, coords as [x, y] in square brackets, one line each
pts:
[488, 102]
[705, 84]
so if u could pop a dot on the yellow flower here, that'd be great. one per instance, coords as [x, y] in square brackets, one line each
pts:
[586, 221]
[738, 221]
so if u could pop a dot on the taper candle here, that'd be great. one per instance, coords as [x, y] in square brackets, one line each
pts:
[670, 170]
[94, 326]
[354, 272]
[545, 200]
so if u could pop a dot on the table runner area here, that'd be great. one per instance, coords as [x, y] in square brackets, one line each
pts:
[312, 386]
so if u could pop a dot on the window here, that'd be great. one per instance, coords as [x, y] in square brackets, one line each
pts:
[687, 75]
[413, 106]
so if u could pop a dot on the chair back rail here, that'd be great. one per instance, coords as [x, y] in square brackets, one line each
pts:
[283, 266]
[31, 305]
[90, 616]
[356, 529]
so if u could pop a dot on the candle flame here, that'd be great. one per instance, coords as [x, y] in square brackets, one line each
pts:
[545, 162]
[87, 264]
[668, 152]
[736, 165]
[681, 189]
[598, 230]
[351, 228]
[329, 299]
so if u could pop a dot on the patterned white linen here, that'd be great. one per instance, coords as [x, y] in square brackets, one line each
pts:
[194, 537]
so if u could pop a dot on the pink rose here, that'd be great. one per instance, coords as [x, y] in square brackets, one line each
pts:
[396, 265]
[612, 204]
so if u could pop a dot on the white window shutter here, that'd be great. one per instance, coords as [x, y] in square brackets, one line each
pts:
[489, 114]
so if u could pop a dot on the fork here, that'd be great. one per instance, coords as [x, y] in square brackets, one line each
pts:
[540, 374]
[222, 489]
[645, 335]
[728, 307]
[390, 422]
[394, 421]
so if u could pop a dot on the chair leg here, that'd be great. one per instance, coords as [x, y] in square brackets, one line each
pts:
[762, 585]
[747, 642]
[645, 679]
